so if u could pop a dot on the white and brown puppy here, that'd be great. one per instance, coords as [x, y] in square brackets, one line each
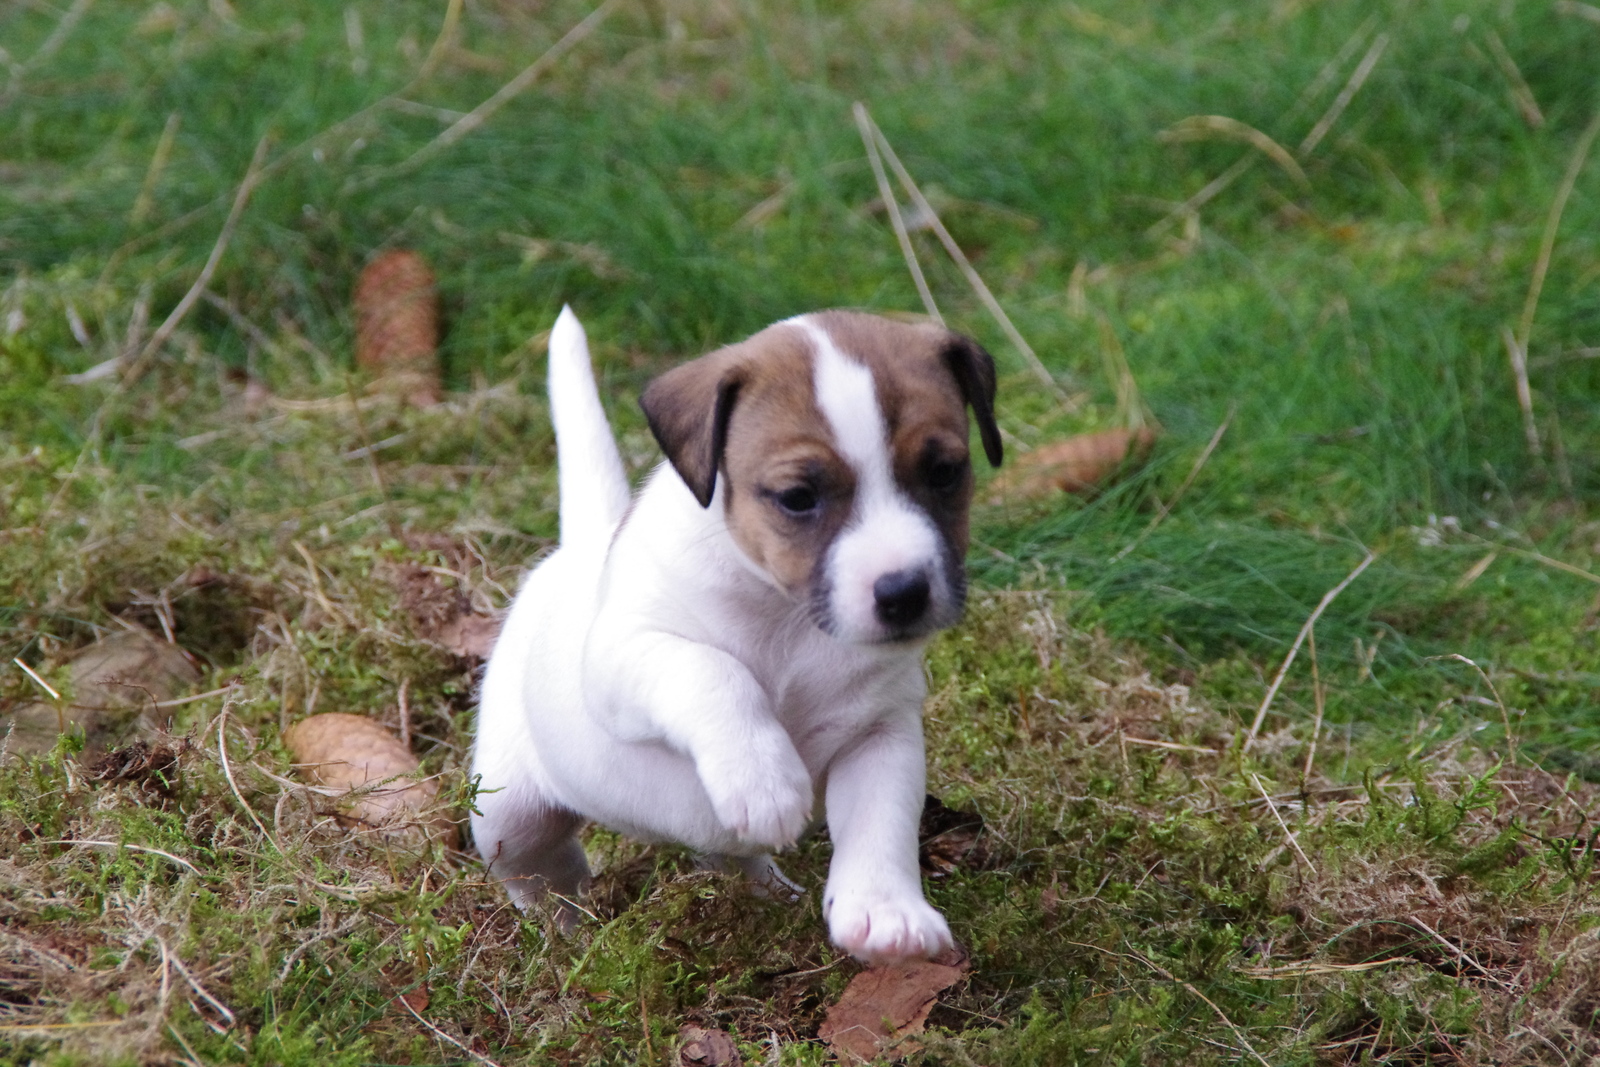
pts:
[744, 639]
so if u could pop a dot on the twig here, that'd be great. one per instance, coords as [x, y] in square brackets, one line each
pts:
[163, 332]
[1505, 713]
[1194, 472]
[227, 771]
[1519, 374]
[1547, 243]
[133, 848]
[480, 1057]
[1294, 650]
[505, 94]
[891, 204]
[1319, 697]
[961, 261]
[1287, 835]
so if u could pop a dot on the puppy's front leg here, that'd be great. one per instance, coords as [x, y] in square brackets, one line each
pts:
[874, 903]
[705, 703]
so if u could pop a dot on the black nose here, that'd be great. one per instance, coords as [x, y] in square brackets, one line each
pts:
[901, 597]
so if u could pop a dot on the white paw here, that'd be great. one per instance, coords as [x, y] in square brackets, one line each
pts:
[765, 801]
[877, 927]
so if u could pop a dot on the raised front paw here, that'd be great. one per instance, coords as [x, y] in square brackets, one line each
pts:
[765, 802]
[877, 927]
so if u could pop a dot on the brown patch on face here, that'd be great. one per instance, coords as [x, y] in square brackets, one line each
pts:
[748, 412]
[925, 377]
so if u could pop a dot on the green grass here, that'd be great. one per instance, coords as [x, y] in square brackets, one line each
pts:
[1352, 326]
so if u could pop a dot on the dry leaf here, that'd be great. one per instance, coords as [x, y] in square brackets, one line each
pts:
[1075, 465]
[114, 680]
[950, 839]
[442, 614]
[700, 1047]
[397, 324]
[355, 754]
[883, 1005]
[416, 998]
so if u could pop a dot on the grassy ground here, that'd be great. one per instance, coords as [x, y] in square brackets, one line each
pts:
[685, 175]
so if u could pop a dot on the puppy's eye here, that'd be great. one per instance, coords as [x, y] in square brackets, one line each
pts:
[798, 500]
[945, 474]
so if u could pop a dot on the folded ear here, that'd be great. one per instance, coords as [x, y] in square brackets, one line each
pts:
[973, 370]
[688, 409]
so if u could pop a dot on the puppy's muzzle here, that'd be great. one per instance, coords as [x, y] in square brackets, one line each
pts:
[900, 598]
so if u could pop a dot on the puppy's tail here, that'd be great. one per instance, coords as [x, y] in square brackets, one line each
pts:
[593, 484]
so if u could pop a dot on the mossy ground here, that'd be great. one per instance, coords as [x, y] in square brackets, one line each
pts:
[1146, 890]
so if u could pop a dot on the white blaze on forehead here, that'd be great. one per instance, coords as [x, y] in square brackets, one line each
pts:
[886, 532]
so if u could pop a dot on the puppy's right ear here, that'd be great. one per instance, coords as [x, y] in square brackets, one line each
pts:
[688, 409]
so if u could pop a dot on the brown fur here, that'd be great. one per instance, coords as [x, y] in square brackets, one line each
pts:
[749, 412]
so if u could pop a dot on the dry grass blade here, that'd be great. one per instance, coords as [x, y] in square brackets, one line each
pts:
[48, 47]
[164, 332]
[131, 848]
[1206, 127]
[507, 92]
[1320, 697]
[1288, 835]
[40, 682]
[152, 175]
[1547, 243]
[1358, 78]
[1519, 373]
[1311, 968]
[1505, 713]
[891, 204]
[1521, 93]
[227, 771]
[1169, 976]
[1582, 11]
[1188, 480]
[1352, 86]
[1294, 650]
[973, 279]
[480, 1057]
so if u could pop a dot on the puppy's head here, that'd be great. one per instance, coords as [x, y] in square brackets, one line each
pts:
[840, 440]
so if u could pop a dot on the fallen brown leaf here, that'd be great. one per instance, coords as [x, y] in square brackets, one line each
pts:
[397, 324]
[883, 1005]
[700, 1047]
[950, 839]
[442, 614]
[361, 757]
[1075, 465]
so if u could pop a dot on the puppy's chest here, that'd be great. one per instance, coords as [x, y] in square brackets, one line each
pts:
[825, 699]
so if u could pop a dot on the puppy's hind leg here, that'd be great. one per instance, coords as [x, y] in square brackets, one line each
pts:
[531, 846]
[766, 878]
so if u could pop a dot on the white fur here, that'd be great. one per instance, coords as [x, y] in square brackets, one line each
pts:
[649, 679]
[886, 532]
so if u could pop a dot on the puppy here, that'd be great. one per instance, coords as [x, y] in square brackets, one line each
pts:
[738, 650]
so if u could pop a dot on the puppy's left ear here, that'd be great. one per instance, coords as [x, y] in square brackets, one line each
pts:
[973, 370]
[688, 409]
